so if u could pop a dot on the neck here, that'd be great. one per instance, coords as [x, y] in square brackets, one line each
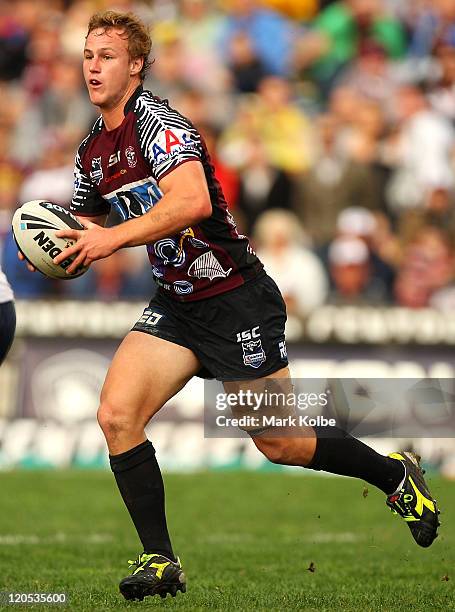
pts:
[113, 116]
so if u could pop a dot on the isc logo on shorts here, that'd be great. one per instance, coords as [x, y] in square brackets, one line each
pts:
[248, 334]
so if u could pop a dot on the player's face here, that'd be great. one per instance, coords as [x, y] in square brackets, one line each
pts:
[107, 67]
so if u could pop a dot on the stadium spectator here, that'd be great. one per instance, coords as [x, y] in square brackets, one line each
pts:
[73, 27]
[427, 267]
[280, 242]
[228, 178]
[442, 94]
[338, 34]
[167, 76]
[272, 35]
[62, 107]
[277, 122]
[261, 186]
[246, 68]
[43, 49]
[422, 152]
[344, 103]
[342, 175]
[199, 29]
[349, 269]
[371, 75]
[11, 177]
[14, 38]
[64, 103]
[435, 24]
[357, 268]
[368, 226]
[52, 177]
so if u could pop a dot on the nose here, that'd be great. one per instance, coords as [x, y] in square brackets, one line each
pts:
[94, 65]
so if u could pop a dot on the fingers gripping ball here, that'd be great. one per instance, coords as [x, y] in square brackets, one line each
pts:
[34, 226]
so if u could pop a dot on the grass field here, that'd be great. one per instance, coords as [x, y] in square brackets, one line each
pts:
[246, 541]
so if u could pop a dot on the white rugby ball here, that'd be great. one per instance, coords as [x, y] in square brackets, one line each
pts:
[34, 226]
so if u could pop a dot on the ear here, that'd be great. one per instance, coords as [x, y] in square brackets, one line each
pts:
[136, 65]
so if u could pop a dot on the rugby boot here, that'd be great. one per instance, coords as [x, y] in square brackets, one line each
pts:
[153, 574]
[414, 502]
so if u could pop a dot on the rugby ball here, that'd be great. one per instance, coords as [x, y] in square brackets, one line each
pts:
[34, 226]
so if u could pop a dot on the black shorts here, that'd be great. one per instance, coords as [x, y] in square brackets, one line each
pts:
[238, 335]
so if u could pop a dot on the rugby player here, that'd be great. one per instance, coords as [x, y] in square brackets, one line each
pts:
[216, 314]
[7, 316]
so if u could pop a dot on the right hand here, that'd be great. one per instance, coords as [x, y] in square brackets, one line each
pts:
[29, 265]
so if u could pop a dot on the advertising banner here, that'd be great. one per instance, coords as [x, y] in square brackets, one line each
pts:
[392, 394]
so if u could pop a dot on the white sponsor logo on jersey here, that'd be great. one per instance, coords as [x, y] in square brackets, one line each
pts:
[208, 266]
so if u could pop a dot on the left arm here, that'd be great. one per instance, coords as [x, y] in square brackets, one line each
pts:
[185, 202]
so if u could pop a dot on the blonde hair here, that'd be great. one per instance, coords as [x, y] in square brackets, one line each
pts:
[139, 40]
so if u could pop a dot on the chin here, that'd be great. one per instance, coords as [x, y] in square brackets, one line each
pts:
[97, 100]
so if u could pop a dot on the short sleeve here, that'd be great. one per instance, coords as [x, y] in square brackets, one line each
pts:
[87, 200]
[169, 143]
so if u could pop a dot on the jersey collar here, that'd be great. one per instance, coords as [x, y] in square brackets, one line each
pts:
[132, 101]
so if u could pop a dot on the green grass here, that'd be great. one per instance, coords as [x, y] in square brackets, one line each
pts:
[246, 541]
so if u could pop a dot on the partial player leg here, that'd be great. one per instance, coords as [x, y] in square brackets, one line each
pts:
[145, 373]
[7, 328]
[333, 450]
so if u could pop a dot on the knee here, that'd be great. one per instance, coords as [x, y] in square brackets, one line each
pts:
[286, 451]
[277, 451]
[114, 420]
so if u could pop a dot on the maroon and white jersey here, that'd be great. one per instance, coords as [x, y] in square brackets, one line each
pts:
[123, 167]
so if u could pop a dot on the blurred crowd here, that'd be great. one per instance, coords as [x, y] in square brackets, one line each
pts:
[330, 125]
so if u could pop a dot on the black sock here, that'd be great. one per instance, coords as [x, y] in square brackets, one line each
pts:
[140, 483]
[339, 453]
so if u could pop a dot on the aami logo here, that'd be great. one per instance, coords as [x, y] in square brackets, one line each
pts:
[49, 246]
[171, 142]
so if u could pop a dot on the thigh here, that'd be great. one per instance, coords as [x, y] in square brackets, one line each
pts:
[146, 371]
[7, 328]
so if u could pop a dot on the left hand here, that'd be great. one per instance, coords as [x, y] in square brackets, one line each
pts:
[92, 243]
